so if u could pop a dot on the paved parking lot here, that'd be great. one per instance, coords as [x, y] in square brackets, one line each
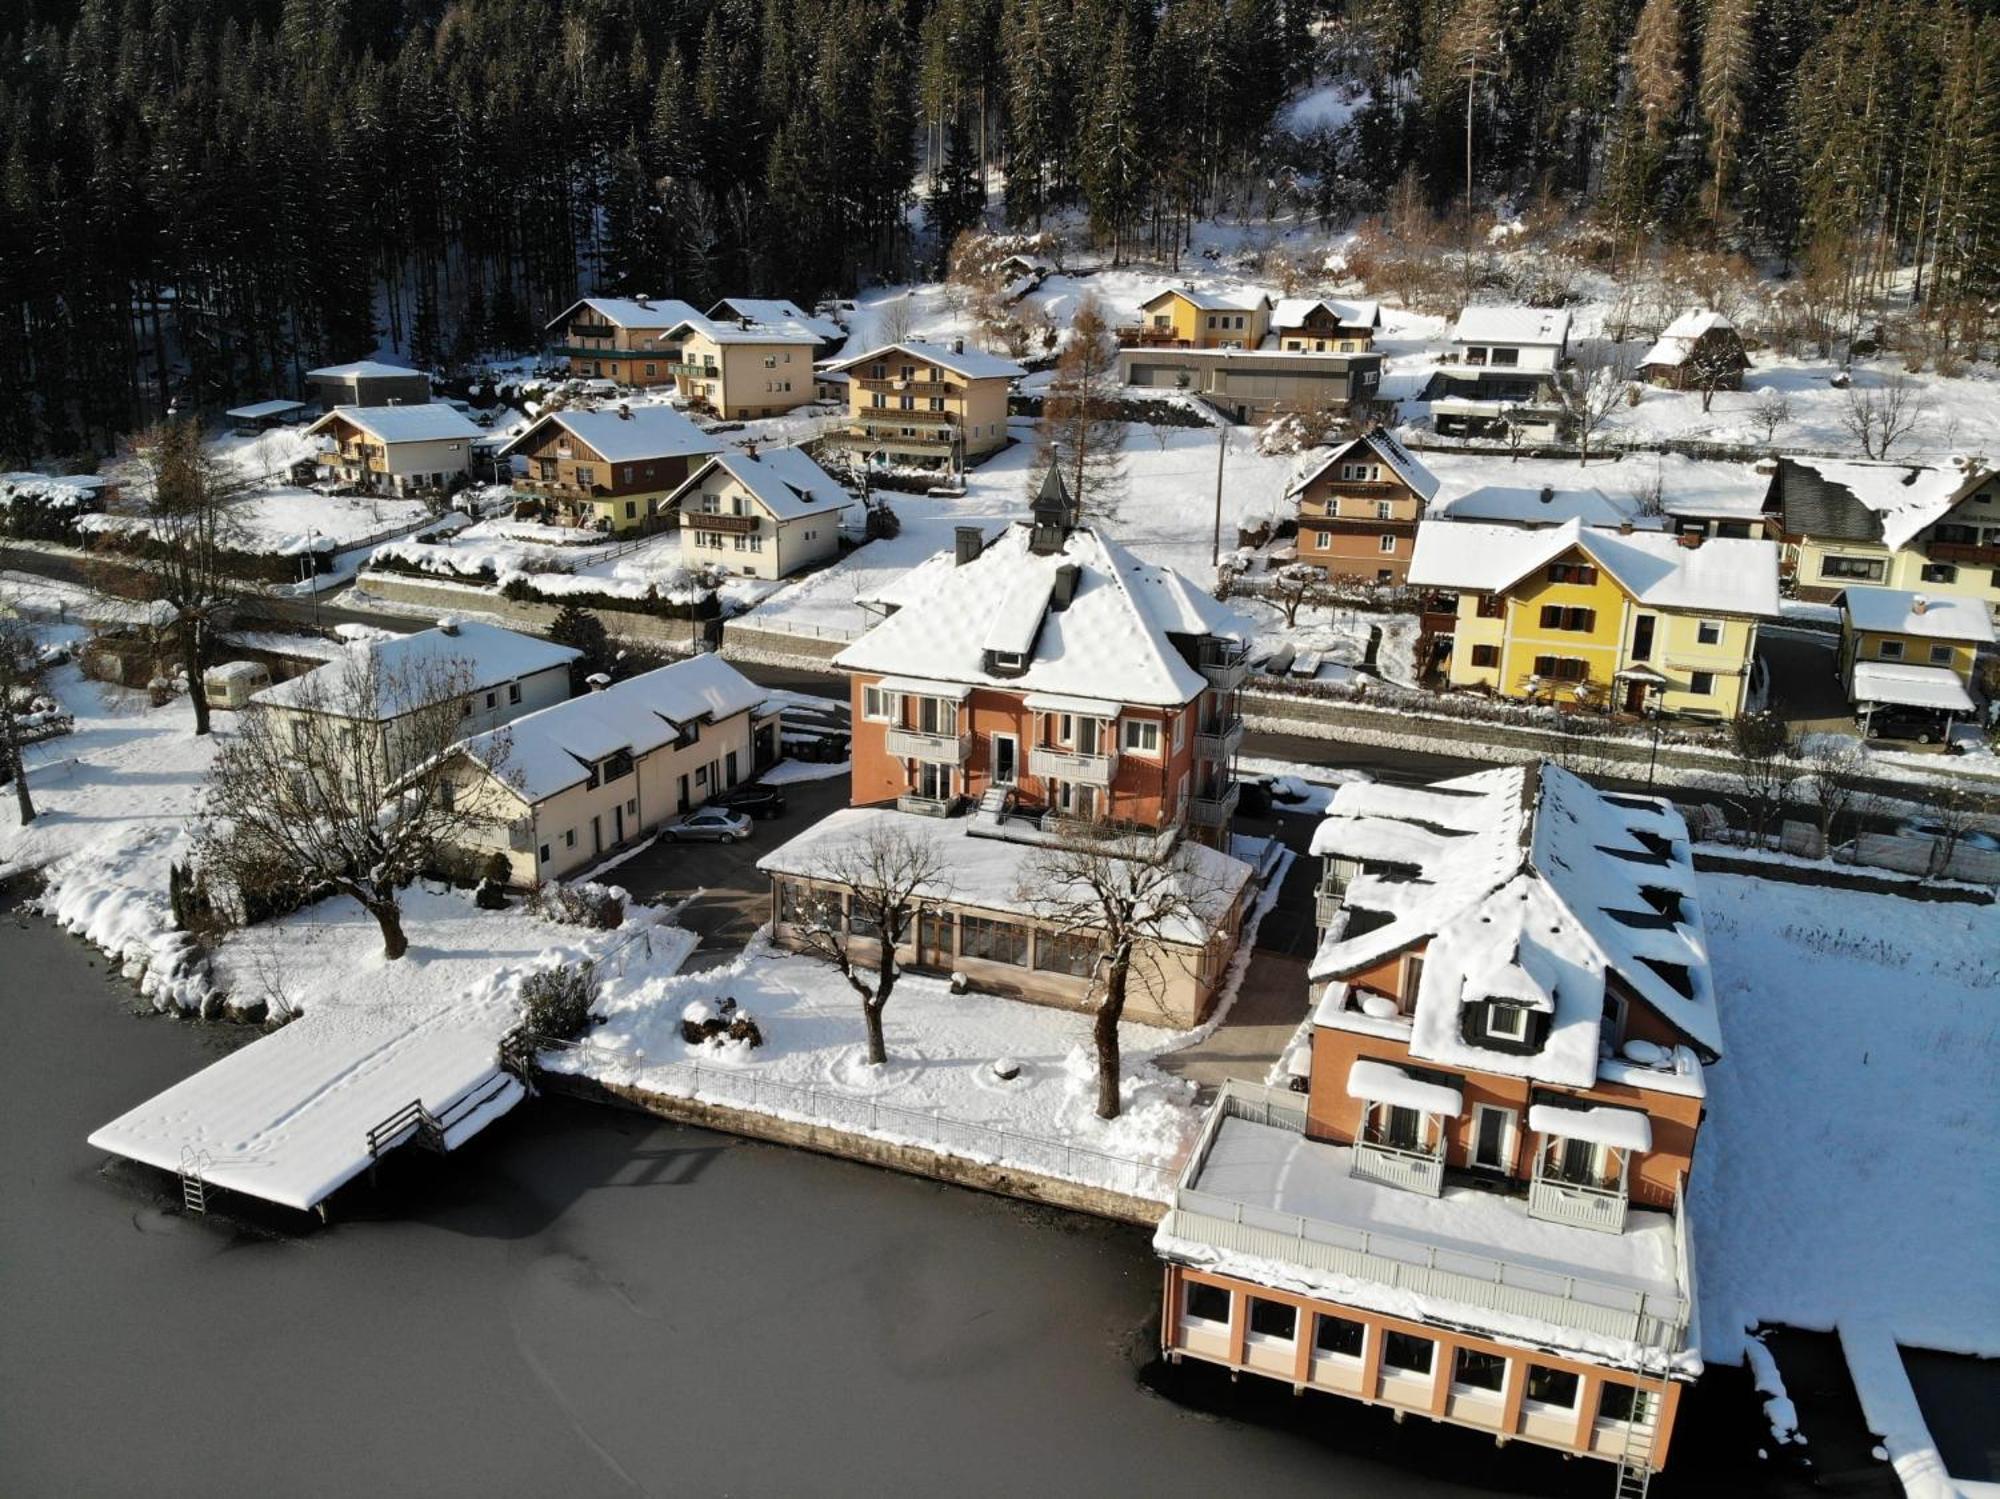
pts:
[734, 896]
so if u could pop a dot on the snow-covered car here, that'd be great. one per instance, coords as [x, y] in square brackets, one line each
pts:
[706, 825]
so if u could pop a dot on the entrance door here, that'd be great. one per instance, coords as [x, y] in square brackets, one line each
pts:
[1086, 736]
[596, 834]
[618, 823]
[681, 791]
[729, 769]
[1578, 1163]
[934, 941]
[1635, 697]
[1006, 759]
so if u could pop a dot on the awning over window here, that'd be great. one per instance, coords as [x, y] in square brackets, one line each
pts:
[1083, 707]
[1378, 1082]
[1621, 1129]
[915, 687]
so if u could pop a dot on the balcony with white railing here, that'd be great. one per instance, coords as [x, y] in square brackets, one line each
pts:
[1579, 1204]
[1214, 809]
[929, 748]
[1225, 663]
[1393, 1166]
[1255, 1186]
[1054, 763]
[1219, 739]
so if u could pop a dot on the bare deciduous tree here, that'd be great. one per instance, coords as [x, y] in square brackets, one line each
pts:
[1766, 769]
[349, 787]
[1292, 586]
[896, 320]
[182, 565]
[1118, 888]
[1771, 410]
[1878, 416]
[1951, 811]
[1589, 392]
[1832, 778]
[889, 876]
[18, 671]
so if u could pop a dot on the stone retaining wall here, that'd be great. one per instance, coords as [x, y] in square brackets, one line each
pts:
[445, 596]
[914, 1160]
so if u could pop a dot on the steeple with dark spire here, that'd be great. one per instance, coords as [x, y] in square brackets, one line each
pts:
[1054, 514]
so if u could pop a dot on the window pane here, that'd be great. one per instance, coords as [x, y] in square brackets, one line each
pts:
[1480, 1371]
[1274, 1319]
[1552, 1386]
[1342, 1335]
[1210, 1303]
[1407, 1353]
[1066, 952]
[1615, 1404]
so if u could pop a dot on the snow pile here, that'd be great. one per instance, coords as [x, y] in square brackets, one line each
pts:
[1778, 1408]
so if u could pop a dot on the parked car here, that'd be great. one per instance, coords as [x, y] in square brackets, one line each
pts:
[752, 800]
[1896, 721]
[1937, 832]
[706, 825]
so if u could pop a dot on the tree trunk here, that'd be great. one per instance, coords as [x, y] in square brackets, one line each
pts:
[191, 654]
[871, 1009]
[389, 917]
[1104, 1031]
[10, 756]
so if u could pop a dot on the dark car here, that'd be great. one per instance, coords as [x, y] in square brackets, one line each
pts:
[1898, 721]
[760, 802]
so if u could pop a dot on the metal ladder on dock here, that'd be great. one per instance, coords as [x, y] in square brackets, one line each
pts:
[194, 1187]
[1635, 1461]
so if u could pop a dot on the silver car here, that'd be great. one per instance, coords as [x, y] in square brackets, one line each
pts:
[706, 825]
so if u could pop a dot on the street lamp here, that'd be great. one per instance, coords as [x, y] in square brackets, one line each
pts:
[1652, 712]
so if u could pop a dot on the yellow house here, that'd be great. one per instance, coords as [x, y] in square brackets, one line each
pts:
[1849, 524]
[1181, 317]
[1617, 619]
[742, 370]
[925, 405]
[1911, 649]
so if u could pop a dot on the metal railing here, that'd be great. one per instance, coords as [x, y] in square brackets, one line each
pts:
[1651, 1319]
[1579, 1205]
[931, 749]
[1224, 663]
[1219, 741]
[927, 1129]
[1072, 765]
[1394, 1166]
[1214, 811]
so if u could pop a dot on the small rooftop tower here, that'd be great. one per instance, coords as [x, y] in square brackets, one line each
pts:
[1054, 514]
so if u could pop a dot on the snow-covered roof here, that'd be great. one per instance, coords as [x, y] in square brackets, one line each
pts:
[1387, 447]
[61, 490]
[629, 434]
[553, 748]
[1379, 1082]
[486, 655]
[1903, 497]
[1727, 575]
[1000, 874]
[732, 331]
[785, 481]
[362, 369]
[1522, 884]
[1898, 611]
[1291, 312]
[1211, 301]
[1678, 338]
[420, 421]
[1529, 505]
[257, 410]
[1512, 325]
[776, 310]
[971, 363]
[632, 312]
[1109, 644]
[1935, 687]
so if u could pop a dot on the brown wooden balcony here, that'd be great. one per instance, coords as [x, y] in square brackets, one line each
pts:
[875, 438]
[1965, 551]
[918, 385]
[1144, 336]
[913, 418]
[708, 520]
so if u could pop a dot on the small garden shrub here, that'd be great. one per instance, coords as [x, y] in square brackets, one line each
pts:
[588, 904]
[555, 1002]
[725, 1022]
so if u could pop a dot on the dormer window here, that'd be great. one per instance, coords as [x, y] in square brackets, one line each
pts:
[1006, 663]
[1506, 1022]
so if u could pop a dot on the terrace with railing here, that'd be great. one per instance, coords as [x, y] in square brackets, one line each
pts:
[1635, 1286]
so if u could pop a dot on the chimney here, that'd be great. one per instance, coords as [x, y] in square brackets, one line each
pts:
[1919, 604]
[1624, 528]
[448, 625]
[958, 346]
[967, 543]
[624, 412]
[1548, 494]
[1064, 588]
[597, 681]
[1692, 540]
[644, 301]
[750, 448]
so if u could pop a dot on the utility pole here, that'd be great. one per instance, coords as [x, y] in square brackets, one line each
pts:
[1221, 449]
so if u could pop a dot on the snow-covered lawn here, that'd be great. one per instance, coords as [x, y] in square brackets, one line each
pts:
[1846, 1175]
[289, 520]
[938, 1087]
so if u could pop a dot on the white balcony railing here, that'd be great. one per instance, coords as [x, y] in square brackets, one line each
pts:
[929, 749]
[1224, 663]
[1412, 1170]
[1219, 741]
[1215, 811]
[1599, 1208]
[1071, 765]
